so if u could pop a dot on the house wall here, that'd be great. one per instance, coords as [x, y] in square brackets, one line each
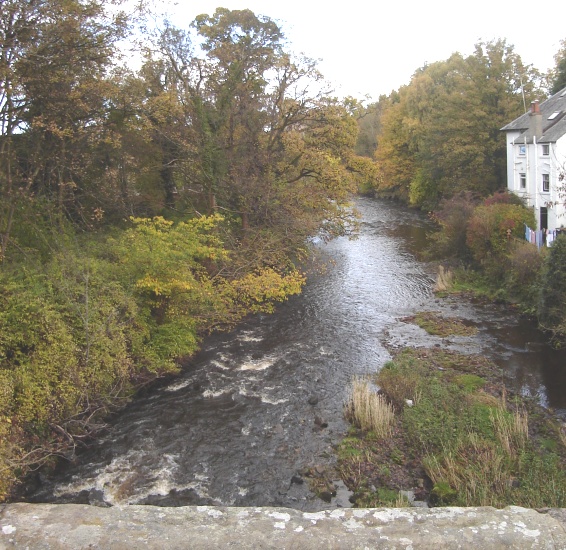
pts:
[529, 160]
[560, 187]
[512, 182]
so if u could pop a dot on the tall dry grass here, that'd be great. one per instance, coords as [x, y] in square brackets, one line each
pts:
[370, 410]
[512, 430]
[482, 471]
[475, 469]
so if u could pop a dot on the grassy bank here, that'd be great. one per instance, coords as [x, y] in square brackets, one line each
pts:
[455, 436]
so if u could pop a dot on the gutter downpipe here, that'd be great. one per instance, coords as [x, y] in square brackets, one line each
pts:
[529, 178]
[537, 207]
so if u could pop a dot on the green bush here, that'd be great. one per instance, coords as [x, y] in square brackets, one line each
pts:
[524, 267]
[490, 228]
[552, 305]
[452, 218]
[86, 323]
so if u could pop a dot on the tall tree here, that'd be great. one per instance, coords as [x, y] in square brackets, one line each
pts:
[446, 124]
[558, 74]
[53, 61]
[266, 152]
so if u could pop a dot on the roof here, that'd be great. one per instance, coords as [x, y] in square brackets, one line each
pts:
[553, 112]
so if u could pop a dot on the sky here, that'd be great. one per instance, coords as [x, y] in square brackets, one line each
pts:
[371, 47]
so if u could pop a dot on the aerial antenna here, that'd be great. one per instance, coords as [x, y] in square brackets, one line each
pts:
[523, 93]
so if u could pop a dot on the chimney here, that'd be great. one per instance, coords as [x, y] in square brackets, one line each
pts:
[535, 120]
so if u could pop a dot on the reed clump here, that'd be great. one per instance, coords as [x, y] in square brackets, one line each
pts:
[370, 410]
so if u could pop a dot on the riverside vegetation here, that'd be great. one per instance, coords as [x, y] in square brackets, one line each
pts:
[140, 210]
[444, 427]
[442, 424]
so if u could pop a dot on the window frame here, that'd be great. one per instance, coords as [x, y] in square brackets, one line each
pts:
[522, 150]
[546, 183]
[545, 149]
[522, 180]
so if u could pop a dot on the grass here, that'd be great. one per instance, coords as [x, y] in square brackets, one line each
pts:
[383, 497]
[437, 325]
[462, 441]
[370, 410]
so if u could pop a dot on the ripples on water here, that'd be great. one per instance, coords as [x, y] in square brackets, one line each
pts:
[237, 425]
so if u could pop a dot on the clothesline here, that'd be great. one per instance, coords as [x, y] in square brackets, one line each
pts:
[542, 237]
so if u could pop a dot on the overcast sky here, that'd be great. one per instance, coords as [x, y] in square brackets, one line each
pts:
[372, 47]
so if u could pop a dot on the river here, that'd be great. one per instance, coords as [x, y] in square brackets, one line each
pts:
[260, 404]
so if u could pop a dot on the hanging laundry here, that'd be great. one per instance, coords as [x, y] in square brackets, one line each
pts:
[527, 233]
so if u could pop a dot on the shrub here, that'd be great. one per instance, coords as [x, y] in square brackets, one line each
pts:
[552, 306]
[452, 218]
[490, 228]
[525, 264]
[82, 327]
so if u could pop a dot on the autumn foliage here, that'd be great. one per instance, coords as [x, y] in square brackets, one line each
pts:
[141, 209]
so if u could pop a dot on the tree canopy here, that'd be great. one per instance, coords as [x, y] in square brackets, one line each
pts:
[141, 209]
[558, 74]
[440, 134]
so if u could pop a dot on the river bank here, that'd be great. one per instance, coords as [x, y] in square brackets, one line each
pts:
[475, 438]
[263, 404]
[460, 436]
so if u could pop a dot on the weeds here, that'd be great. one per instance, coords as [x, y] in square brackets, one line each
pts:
[512, 430]
[437, 325]
[370, 410]
[463, 441]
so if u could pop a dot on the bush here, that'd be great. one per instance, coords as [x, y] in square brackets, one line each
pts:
[452, 217]
[85, 325]
[490, 229]
[524, 267]
[552, 306]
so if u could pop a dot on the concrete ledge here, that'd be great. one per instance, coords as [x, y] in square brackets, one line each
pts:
[73, 526]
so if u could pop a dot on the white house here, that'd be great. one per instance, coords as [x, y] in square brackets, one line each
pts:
[536, 160]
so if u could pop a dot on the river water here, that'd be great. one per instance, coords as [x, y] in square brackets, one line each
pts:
[261, 404]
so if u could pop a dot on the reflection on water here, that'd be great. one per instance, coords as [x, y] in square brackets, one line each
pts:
[531, 366]
[263, 403]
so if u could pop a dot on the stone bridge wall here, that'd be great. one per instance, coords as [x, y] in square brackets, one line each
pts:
[73, 526]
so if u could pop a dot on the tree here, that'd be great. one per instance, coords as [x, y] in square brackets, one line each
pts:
[259, 147]
[54, 58]
[441, 134]
[206, 172]
[395, 151]
[558, 74]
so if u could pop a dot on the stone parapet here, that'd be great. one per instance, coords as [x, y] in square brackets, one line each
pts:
[74, 526]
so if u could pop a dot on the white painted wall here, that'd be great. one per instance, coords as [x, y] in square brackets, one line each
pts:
[534, 164]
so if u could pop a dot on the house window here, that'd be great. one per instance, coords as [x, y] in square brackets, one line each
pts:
[523, 181]
[546, 149]
[522, 150]
[546, 182]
